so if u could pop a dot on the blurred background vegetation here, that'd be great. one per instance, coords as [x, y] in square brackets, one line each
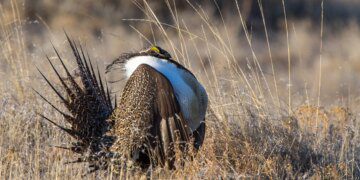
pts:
[121, 26]
[338, 13]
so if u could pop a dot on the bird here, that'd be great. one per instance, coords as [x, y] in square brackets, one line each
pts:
[161, 111]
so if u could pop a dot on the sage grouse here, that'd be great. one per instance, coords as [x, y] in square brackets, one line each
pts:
[161, 111]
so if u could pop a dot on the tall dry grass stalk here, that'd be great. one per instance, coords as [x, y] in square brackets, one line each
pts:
[12, 47]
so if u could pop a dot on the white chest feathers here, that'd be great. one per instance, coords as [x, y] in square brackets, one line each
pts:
[190, 94]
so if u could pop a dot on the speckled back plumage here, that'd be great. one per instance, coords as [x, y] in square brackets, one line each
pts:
[149, 114]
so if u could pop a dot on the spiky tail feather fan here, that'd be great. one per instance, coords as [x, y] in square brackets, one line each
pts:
[90, 106]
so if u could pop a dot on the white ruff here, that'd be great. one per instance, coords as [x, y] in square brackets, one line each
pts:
[192, 100]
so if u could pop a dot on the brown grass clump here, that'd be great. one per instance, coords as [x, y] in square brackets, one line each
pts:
[340, 118]
[321, 122]
[312, 119]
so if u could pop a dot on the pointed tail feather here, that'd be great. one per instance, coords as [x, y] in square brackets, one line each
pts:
[87, 100]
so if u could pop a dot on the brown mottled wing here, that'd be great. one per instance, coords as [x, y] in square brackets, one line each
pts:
[148, 101]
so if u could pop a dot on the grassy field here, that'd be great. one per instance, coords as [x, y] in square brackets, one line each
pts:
[284, 101]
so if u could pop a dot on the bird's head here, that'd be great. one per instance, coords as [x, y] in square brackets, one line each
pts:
[154, 51]
[157, 52]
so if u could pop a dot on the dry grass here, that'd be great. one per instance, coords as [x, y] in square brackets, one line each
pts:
[253, 131]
